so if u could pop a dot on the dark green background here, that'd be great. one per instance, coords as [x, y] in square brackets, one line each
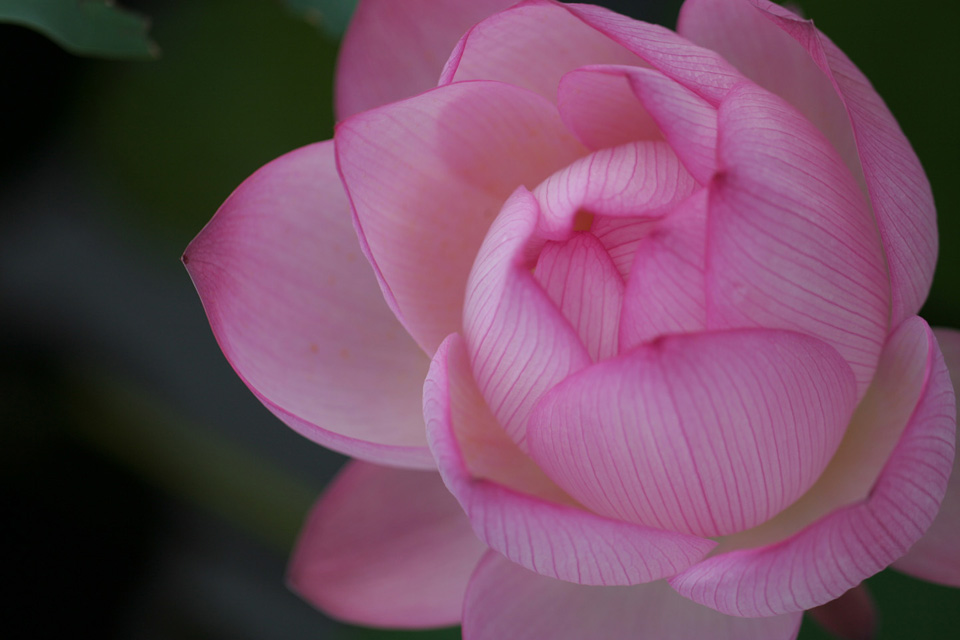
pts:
[149, 494]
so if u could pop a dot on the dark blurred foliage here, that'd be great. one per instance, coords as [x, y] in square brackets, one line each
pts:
[146, 493]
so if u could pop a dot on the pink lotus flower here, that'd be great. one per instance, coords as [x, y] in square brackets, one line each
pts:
[668, 283]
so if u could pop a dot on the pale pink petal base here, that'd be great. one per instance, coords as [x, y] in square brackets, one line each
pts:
[852, 542]
[558, 540]
[505, 600]
[936, 556]
[386, 547]
[297, 312]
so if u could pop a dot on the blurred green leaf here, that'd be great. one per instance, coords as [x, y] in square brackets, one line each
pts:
[240, 83]
[330, 15]
[94, 28]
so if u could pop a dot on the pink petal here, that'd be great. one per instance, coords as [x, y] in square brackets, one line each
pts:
[700, 70]
[688, 122]
[297, 312]
[506, 601]
[621, 238]
[665, 291]
[558, 540]
[791, 241]
[862, 533]
[531, 45]
[768, 55]
[427, 176]
[706, 433]
[899, 190]
[852, 616]
[936, 556]
[601, 109]
[639, 179]
[394, 50]
[519, 343]
[583, 282]
[609, 105]
[386, 547]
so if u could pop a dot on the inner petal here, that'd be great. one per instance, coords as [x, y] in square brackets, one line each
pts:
[705, 433]
[583, 282]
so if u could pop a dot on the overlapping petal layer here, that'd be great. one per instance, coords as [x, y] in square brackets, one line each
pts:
[282, 281]
[507, 601]
[787, 571]
[791, 241]
[936, 556]
[556, 539]
[386, 547]
[508, 47]
[705, 433]
[395, 50]
[899, 189]
[427, 176]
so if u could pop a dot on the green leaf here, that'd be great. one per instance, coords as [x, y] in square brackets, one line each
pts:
[95, 28]
[332, 16]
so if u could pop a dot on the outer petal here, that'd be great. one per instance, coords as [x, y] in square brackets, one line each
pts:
[505, 601]
[531, 45]
[297, 312]
[700, 70]
[862, 533]
[558, 540]
[394, 50]
[898, 187]
[706, 433]
[791, 241]
[936, 557]
[386, 547]
[768, 55]
[427, 176]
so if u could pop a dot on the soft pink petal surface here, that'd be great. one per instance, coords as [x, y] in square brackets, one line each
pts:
[427, 176]
[298, 314]
[558, 540]
[936, 556]
[767, 54]
[791, 241]
[583, 282]
[394, 50]
[638, 179]
[386, 547]
[520, 344]
[688, 122]
[856, 538]
[665, 290]
[531, 45]
[898, 187]
[706, 433]
[505, 600]
[601, 109]
[700, 70]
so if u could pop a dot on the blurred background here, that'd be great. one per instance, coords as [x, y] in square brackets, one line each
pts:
[146, 494]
